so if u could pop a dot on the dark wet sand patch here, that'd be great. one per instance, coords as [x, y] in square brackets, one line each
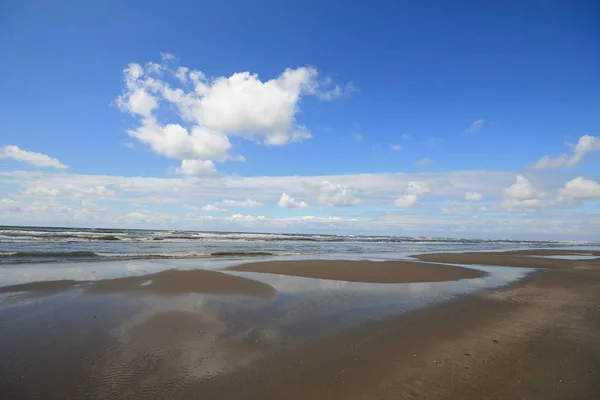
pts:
[45, 287]
[364, 271]
[162, 283]
[520, 258]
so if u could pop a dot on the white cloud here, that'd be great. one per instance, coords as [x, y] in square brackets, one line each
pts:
[413, 191]
[133, 72]
[84, 191]
[148, 218]
[210, 111]
[123, 195]
[417, 188]
[477, 126]
[455, 207]
[379, 189]
[175, 141]
[248, 203]
[213, 208]
[579, 189]
[30, 157]
[92, 207]
[243, 217]
[336, 91]
[408, 200]
[405, 136]
[376, 190]
[41, 191]
[197, 168]
[182, 74]
[396, 147]
[264, 111]
[520, 190]
[473, 196]
[423, 163]
[585, 144]
[286, 201]
[358, 138]
[521, 195]
[141, 102]
[167, 57]
[9, 205]
[525, 203]
[336, 195]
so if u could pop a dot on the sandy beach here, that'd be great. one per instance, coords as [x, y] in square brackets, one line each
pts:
[521, 258]
[217, 335]
[364, 271]
[167, 282]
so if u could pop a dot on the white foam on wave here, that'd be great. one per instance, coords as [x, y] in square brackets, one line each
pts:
[154, 255]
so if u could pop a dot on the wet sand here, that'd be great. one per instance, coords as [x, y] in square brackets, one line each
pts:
[520, 258]
[536, 339]
[364, 271]
[167, 282]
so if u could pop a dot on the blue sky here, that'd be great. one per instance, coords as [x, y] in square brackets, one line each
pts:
[409, 106]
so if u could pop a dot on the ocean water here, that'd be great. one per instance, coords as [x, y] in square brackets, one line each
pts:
[20, 245]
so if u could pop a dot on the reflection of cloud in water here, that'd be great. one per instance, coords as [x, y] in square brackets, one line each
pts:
[292, 284]
[186, 333]
[571, 257]
[198, 335]
[419, 287]
[84, 271]
[23, 273]
[89, 271]
[308, 299]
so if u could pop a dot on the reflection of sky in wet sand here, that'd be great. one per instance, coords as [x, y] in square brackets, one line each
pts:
[189, 336]
[571, 257]
[84, 271]
[351, 302]
[207, 334]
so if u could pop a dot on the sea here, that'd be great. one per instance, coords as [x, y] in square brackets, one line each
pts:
[26, 245]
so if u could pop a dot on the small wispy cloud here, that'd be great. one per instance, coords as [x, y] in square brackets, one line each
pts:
[214, 208]
[423, 163]
[336, 91]
[396, 147]
[585, 144]
[477, 126]
[287, 201]
[167, 57]
[36, 159]
[433, 141]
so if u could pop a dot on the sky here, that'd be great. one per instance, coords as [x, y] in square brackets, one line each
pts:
[414, 118]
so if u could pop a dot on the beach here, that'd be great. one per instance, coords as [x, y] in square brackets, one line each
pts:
[470, 325]
[364, 271]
